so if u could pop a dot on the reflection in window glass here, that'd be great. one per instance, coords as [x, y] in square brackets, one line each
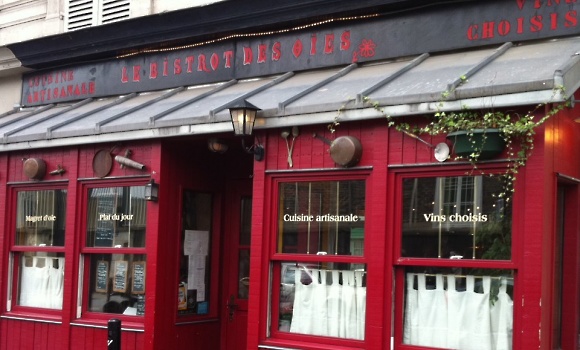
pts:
[116, 217]
[455, 218]
[117, 283]
[325, 217]
[451, 308]
[40, 218]
[41, 280]
[322, 299]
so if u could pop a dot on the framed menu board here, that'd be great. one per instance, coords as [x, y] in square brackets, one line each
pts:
[103, 237]
[102, 281]
[138, 278]
[120, 269]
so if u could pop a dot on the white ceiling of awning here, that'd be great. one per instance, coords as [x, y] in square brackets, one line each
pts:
[495, 76]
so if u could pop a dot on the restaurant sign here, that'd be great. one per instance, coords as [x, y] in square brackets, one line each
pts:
[349, 40]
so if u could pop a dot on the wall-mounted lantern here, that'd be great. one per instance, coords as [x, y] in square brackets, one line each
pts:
[243, 115]
[152, 191]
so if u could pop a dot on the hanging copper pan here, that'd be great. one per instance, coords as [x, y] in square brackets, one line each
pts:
[102, 163]
[344, 150]
[34, 168]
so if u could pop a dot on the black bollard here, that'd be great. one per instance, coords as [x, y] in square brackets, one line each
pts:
[114, 330]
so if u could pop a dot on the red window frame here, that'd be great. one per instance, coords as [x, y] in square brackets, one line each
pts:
[17, 250]
[277, 337]
[86, 253]
[400, 263]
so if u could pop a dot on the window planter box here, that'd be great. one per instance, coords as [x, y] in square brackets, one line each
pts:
[488, 142]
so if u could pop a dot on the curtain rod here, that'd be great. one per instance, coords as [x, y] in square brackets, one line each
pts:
[459, 276]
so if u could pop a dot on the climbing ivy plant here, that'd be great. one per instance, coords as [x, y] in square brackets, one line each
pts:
[517, 129]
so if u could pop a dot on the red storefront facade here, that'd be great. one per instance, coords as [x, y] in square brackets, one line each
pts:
[348, 234]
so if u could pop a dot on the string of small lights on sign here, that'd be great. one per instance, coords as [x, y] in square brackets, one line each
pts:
[248, 35]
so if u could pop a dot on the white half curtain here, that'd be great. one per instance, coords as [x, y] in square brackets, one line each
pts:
[330, 305]
[465, 320]
[41, 284]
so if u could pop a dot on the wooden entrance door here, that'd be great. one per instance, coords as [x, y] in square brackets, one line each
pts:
[236, 265]
[566, 271]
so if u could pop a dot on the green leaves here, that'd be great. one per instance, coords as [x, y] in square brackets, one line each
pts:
[517, 130]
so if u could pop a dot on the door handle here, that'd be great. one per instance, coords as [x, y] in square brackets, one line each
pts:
[232, 307]
[245, 281]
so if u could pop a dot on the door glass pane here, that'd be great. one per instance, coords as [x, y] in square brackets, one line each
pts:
[246, 221]
[324, 217]
[456, 218]
[195, 269]
[244, 248]
[243, 273]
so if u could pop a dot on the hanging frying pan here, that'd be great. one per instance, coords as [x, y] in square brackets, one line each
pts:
[34, 168]
[102, 163]
[344, 150]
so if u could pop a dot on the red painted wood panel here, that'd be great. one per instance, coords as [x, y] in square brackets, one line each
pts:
[96, 338]
[141, 152]
[67, 158]
[532, 220]
[181, 165]
[16, 334]
[201, 336]
[313, 153]
[27, 335]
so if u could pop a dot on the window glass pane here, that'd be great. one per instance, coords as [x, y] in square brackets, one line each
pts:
[41, 277]
[325, 217]
[455, 218]
[450, 308]
[322, 299]
[194, 272]
[41, 218]
[116, 217]
[117, 283]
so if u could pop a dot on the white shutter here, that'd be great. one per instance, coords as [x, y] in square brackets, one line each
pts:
[113, 10]
[87, 13]
[80, 14]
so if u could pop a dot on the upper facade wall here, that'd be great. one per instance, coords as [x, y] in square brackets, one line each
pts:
[22, 20]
